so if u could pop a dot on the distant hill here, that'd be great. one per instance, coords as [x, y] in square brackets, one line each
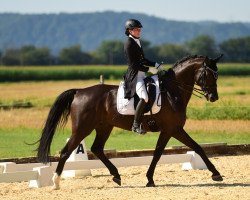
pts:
[57, 31]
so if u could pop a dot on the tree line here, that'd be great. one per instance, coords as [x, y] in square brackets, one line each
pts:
[111, 53]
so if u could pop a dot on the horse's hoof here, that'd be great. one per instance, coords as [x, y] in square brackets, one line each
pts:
[56, 182]
[55, 187]
[117, 180]
[217, 178]
[150, 184]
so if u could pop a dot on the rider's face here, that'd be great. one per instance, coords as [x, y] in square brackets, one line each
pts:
[136, 32]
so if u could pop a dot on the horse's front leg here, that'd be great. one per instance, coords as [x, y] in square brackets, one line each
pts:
[161, 143]
[183, 137]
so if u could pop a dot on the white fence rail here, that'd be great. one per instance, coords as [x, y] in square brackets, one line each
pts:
[40, 175]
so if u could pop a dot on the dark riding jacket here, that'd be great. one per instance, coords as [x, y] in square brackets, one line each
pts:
[136, 62]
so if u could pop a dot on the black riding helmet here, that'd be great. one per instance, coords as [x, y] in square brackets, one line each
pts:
[130, 24]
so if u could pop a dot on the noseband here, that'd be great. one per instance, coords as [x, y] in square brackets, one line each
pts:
[203, 78]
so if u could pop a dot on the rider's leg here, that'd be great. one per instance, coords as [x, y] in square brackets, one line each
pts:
[142, 93]
[138, 117]
[141, 90]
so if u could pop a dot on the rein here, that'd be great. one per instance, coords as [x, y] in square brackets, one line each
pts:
[192, 89]
[202, 77]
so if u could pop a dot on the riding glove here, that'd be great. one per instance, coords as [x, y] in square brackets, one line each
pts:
[153, 70]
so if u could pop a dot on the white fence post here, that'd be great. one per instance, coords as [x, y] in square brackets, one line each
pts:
[44, 177]
[7, 167]
[195, 163]
[79, 154]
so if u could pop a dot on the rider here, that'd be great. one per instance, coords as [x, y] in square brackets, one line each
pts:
[137, 66]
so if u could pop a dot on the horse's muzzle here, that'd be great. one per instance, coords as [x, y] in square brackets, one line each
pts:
[212, 97]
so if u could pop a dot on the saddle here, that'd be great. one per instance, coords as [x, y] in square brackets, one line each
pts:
[127, 107]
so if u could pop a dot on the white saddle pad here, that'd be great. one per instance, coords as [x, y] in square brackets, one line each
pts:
[126, 107]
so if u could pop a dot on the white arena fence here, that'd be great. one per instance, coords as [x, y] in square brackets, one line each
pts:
[40, 175]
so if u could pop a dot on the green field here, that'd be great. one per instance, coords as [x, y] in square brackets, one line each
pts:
[226, 120]
[14, 143]
[14, 74]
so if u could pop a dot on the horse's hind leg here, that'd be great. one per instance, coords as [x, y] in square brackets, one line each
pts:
[161, 143]
[71, 145]
[102, 134]
[183, 137]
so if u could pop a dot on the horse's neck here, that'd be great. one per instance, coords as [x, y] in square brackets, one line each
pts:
[185, 75]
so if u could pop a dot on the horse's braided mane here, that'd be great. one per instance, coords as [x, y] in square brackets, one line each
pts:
[185, 59]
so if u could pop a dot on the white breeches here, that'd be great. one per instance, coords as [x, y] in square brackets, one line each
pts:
[140, 86]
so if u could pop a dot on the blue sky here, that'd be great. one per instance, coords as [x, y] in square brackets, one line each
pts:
[188, 10]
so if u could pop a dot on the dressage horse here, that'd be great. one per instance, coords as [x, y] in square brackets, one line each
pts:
[96, 108]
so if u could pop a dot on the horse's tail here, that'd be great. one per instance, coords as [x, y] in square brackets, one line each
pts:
[58, 115]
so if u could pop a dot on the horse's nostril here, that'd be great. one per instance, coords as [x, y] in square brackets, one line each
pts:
[213, 98]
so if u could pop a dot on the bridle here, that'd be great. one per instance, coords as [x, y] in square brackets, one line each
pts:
[203, 78]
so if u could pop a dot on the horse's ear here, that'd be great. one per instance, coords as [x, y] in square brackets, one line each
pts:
[218, 58]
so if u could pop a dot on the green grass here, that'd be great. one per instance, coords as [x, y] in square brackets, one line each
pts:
[13, 145]
[15, 74]
[32, 73]
[225, 112]
[234, 69]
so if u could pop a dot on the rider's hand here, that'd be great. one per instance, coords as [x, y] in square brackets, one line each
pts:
[153, 70]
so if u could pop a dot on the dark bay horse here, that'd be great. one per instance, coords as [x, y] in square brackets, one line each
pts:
[95, 108]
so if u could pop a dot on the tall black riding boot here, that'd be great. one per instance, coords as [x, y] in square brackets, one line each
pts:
[138, 117]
